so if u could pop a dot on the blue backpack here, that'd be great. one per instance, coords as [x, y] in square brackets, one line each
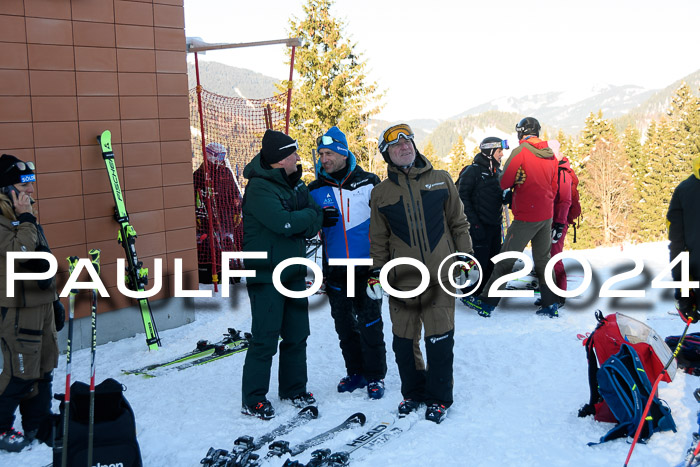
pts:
[625, 387]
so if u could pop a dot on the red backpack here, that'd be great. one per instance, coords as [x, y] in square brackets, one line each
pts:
[611, 332]
[575, 209]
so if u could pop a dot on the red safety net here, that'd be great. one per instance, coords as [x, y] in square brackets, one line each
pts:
[233, 130]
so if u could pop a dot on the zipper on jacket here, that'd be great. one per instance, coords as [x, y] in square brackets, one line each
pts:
[413, 206]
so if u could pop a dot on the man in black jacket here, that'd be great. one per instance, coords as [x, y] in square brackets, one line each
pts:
[684, 234]
[481, 194]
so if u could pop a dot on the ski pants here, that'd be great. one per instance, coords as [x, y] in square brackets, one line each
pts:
[486, 245]
[358, 322]
[559, 272]
[517, 238]
[275, 315]
[434, 310]
[30, 353]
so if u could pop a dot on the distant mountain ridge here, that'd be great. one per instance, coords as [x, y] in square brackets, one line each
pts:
[231, 81]
[568, 110]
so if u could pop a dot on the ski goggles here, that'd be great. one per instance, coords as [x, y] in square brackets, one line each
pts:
[21, 166]
[294, 145]
[327, 141]
[392, 134]
[495, 145]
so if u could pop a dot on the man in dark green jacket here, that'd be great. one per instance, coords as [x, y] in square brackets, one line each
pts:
[278, 214]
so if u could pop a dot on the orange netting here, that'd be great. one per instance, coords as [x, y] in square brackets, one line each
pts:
[235, 126]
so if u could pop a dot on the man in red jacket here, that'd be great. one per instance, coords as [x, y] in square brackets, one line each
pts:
[531, 171]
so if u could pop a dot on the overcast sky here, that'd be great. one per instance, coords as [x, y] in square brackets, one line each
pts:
[437, 58]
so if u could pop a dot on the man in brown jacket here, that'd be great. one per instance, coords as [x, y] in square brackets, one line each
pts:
[417, 213]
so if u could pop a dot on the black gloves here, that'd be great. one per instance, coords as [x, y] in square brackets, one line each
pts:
[508, 196]
[557, 231]
[330, 216]
[687, 306]
[59, 314]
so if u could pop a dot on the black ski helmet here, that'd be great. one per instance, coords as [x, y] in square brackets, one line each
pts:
[528, 126]
[490, 144]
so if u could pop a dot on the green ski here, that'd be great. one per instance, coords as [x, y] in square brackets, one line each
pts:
[136, 274]
[204, 348]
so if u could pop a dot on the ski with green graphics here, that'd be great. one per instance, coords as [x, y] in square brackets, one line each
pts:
[136, 274]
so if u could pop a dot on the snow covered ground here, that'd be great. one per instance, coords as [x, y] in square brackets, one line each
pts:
[519, 382]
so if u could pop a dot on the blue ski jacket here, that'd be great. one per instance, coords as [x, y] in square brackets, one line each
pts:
[349, 238]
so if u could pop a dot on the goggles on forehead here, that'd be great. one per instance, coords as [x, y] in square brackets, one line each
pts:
[495, 145]
[327, 141]
[21, 166]
[392, 134]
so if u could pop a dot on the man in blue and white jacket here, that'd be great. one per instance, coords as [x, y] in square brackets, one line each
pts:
[342, 189]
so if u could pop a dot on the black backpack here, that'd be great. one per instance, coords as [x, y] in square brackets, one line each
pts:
[114, 431]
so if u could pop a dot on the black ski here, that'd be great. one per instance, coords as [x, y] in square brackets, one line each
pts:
[242, 451]
[204, 348]
[136, 274]
[279, 448]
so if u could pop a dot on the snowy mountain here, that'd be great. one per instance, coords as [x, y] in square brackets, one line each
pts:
[519, 382]
[231, 81]
[568, 110]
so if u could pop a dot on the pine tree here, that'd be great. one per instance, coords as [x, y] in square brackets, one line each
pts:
[459, 159]
[654, 186]
[631, 143]
[685, 126]
[331, 87]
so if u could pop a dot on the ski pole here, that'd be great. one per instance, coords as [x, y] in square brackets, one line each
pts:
[72, 262]
[95, 260]
[654, 389]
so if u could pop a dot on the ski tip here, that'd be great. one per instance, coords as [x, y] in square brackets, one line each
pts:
[309, 411]
[105, 140]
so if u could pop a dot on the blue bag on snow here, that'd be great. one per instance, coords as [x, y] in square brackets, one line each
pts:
[625, 387]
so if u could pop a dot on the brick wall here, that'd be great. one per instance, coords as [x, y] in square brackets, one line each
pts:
[70, 69]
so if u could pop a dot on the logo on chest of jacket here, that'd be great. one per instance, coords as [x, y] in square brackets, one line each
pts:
[328, 200]
[431, 185]
[361, 182]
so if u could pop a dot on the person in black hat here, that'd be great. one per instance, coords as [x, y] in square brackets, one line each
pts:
[278, 215]
[28, 320]
[480, 192]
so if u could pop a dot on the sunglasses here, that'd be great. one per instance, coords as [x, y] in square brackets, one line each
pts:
[327, 141]
[392, 134]
[21, 166]
[496, 145]
[294, 145]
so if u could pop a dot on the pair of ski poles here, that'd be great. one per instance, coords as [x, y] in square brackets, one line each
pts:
[72, 263]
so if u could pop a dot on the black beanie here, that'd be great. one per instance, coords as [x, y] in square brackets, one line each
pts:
[277, 146]
[10, 174]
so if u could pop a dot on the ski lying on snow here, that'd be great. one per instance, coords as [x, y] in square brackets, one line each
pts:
[279, 448]
[380, 434]
[242, 451]
[204, 348]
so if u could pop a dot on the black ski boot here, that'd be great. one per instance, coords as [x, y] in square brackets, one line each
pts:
[408, 406]
[302, 400]
[436, 413]
[263, 410]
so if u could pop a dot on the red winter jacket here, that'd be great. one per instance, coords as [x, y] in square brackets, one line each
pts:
[533, 201]
[562, 200]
